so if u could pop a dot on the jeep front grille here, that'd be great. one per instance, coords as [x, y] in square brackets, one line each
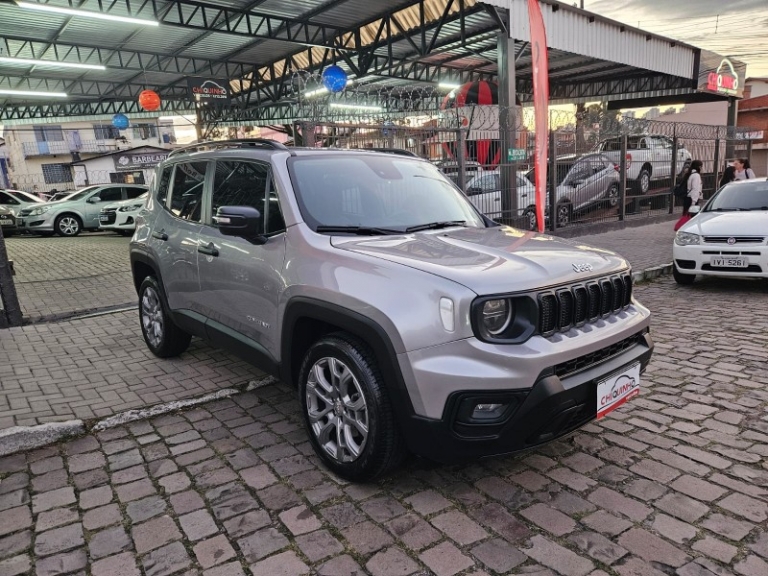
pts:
[574, 305]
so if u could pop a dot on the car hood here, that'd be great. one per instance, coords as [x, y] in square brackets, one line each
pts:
[490, 260]
[728, 224]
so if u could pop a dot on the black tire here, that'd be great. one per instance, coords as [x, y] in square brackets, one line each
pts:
[643, 182]
[682, 279]
[612, 195]
[564, 215]
[165, 340]
[68, 225]
[531, 220]
[383, 449]
[125, 232]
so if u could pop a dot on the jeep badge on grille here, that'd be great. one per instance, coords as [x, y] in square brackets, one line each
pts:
[582, 267]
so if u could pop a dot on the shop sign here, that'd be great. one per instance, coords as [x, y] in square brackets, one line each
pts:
[207, 90]
[130, 161]
[719, 75]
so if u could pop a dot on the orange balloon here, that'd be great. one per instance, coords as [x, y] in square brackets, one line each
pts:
[149, 100]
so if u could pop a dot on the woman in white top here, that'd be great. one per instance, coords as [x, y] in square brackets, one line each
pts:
[695, 186]
[743, 169]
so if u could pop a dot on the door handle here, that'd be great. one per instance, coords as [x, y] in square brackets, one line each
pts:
[160, 236]
[209, 250]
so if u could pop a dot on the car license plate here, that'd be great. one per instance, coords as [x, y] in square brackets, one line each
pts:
[6, 222]
[104, 218]
[617, 389]
[729, 263]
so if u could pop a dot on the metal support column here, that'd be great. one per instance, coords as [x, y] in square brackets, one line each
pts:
[623, 179]
[507, 122]
[10, 315]
[732, 120]
[675, 169]
[461, 158]
[717, 163]
[552, 184]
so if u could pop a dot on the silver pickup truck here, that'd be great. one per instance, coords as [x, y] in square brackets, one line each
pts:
[649, 158]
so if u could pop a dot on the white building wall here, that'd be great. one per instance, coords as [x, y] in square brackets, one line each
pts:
[27, 155]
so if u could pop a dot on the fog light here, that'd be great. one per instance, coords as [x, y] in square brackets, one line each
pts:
[488, 411]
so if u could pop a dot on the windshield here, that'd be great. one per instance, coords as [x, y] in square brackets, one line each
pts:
[23, 196]
[740, 196]
[79, 195]
[391, 192]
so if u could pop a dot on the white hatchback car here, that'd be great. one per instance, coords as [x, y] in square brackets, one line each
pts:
[484, 191]
[727, 237]
[120, 217]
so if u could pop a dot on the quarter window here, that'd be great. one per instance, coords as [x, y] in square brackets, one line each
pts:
[187, 194]
[132, 192]
[165, 181]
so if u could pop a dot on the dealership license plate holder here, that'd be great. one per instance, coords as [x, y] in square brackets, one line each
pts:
[626, 382]
[6, 221]
[722, 262]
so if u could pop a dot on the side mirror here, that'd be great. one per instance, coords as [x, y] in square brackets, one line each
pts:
[94, 200]
[693, 210]
[240, 221]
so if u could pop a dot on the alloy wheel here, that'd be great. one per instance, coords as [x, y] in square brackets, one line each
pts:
[563, 215]
[152, 317]
[338, 414]
[69, 226]
[613, 195]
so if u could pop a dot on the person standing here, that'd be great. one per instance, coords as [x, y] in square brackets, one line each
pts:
[694, 185]
[743, 169]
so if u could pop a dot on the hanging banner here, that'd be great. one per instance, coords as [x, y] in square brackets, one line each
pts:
[540, 107]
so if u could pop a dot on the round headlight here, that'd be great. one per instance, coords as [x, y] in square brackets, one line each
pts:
[497, 315]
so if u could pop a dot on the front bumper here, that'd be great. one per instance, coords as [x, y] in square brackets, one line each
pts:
[555, 405]
[42, 223]
[698, 259]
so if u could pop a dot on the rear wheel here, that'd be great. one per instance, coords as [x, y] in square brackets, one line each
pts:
[530, 216]
[613, 195]
[564, 213]
[164, 339]
[347, 411]
[643, 182]
[682, 279]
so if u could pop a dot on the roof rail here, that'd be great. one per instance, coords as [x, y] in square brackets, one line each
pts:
[236, 143]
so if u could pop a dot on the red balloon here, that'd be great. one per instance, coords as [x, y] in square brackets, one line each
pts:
[149, 100]
[478, 93]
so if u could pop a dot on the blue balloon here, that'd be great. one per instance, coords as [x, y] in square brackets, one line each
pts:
[334, 79]
[120, 121]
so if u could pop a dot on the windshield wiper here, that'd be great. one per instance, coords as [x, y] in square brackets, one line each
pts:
[436, 225]
[760, 209]
[359, 230]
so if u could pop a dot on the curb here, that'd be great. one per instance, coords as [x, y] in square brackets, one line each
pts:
[652, 273]
[23, 438]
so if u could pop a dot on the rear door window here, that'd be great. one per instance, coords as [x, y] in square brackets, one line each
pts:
[113, 194]
[187, 193]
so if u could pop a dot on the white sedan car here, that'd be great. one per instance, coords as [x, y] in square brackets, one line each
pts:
[120, 217]
[727, 237]
[484, 191]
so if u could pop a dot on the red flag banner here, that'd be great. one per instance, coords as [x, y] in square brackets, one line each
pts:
[540, 106]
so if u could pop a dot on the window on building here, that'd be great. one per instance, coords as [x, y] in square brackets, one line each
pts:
[144, 131]
[105, 132]
[57, 173]
[49, 134]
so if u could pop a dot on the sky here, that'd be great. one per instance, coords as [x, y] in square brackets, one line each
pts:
[729, 27]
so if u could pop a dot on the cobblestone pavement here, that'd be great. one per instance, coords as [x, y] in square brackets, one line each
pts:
[59, 276]
[675, 483]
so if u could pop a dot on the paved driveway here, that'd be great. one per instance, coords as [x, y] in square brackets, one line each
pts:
[675, 483]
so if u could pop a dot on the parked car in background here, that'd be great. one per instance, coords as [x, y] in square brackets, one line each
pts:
[77, 212]
[8, 221]
[18, 200]
[649, 158]
[61, 195]
[451, 169]
[727, 237]
[121, 217]
[484, 191]
[583, 181]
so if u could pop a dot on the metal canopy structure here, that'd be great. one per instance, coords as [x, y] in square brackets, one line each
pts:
[265, 47]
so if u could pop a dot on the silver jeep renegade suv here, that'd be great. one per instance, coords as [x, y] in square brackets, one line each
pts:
[405, 318]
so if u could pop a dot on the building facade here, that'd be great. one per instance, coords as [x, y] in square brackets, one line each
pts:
[55, 157]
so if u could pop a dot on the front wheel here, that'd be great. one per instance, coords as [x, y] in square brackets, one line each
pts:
[164, 339]
[68, 225]
[531, 220]
[347, 411]
[563, 215]
[613, 195]
[682, 279]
